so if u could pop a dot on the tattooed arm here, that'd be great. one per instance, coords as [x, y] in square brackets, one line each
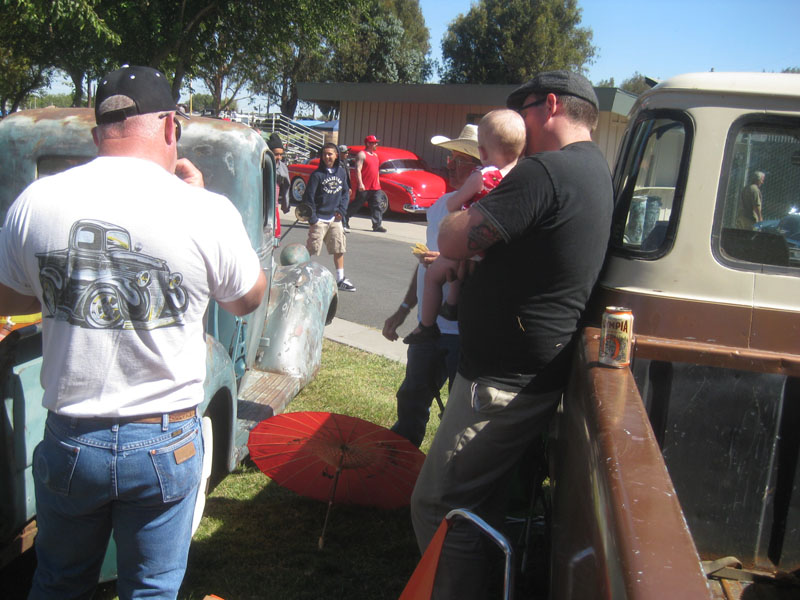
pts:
[463, 234]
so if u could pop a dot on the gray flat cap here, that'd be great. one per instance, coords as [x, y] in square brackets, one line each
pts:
[556, 82]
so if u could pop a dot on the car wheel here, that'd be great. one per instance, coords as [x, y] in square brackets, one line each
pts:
[298, 188]
[49, 295]
[103, 309]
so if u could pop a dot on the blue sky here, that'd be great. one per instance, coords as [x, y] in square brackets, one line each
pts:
[668, 37]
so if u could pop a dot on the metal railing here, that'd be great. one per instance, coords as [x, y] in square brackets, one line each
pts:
[301, 142]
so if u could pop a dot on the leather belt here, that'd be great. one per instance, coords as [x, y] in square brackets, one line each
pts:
[178, 415]
[172, 417]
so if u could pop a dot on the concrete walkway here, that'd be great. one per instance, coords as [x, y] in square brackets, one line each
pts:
[365, 338]
[360, 336]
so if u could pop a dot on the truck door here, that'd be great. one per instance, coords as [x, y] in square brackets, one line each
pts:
[757, 224]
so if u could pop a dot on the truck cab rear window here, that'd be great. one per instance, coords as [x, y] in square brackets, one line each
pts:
[757, 224]
[649, 183]
[50, 165]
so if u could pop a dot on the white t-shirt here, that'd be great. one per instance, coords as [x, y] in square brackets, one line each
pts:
[124, 257]
[435, 213]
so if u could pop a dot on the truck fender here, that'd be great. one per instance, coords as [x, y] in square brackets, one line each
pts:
[303, 298]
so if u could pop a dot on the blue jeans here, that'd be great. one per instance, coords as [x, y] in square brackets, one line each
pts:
[428, 366]
[95, 476]
[376, 201]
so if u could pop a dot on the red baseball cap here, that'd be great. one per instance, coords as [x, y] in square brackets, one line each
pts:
[370, 138]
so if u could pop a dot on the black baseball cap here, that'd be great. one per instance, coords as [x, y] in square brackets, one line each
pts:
[556, 82]
[131, 91]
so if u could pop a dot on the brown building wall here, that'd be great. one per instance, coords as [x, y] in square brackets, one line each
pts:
[411, 126]
[406, 125]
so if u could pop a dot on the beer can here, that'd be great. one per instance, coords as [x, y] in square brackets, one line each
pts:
[616, 336]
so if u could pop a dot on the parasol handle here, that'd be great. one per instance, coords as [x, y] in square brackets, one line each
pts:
[321, 541]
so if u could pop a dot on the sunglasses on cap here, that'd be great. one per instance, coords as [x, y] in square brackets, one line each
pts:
[177, 125]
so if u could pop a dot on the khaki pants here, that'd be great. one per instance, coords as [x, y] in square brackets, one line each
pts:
[331, 233]
[483, 434]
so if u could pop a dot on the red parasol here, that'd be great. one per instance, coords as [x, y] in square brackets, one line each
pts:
[336, 458]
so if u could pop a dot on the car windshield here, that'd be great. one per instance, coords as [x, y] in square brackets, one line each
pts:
[402, 164]
[118, 239]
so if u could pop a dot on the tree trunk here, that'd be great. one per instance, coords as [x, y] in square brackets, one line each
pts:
[77, 80]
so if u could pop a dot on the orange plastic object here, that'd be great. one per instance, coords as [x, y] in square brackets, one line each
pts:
[420, 585]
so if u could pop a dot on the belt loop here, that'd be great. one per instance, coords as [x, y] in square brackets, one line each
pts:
[165, 422]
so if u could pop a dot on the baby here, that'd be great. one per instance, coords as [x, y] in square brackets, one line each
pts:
[501, 140]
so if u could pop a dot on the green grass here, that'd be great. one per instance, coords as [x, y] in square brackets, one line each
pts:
[259, 541]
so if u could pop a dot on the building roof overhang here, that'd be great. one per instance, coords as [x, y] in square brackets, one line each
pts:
[611, 99]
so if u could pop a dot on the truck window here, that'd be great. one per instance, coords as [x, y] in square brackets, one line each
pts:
[758, 210]
[268, 190]
[118, 240]
[50, 165]
[86, 239]
[649, 183]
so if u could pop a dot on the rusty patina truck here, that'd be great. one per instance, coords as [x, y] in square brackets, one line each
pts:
[679, 477]
[255, 364]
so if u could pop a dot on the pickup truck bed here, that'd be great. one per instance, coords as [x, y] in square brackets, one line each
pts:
[619, 528]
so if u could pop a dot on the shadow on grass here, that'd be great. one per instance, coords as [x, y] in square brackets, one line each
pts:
[265, 547]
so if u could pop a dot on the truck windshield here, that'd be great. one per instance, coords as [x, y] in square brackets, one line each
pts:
[648, 181]
[118, 240]
[758, 211]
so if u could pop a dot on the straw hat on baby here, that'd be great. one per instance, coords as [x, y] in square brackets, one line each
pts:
[466, 142]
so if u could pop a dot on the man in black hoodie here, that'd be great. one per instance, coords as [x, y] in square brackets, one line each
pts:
[327, 195]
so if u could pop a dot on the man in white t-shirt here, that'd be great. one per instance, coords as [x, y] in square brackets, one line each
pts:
[123, 255]
[431, 363]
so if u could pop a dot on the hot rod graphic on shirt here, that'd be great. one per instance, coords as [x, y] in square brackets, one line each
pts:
[101, 282]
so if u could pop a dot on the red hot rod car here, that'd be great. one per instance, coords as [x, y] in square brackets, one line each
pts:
[405, 178]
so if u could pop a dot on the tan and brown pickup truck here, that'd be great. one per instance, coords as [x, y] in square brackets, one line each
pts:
[679, 477]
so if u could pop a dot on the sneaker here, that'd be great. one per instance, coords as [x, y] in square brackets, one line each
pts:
[425, 334]
[379, 229]
[346, 229]
[345, 285]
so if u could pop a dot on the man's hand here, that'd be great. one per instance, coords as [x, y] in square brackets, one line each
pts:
[337, 217]
[392, 323]
[186, 171]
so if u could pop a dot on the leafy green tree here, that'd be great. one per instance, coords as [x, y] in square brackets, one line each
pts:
[48, 34]
[301, 59]
[223, 65]
[389, 44]
[299, 50]
[509, 41]
[57, 100]
[635, 84]
[201, 102]
[19, 77]
[606, 83]
[791, 70]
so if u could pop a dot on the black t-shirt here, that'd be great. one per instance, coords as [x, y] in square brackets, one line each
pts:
[519, 310]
